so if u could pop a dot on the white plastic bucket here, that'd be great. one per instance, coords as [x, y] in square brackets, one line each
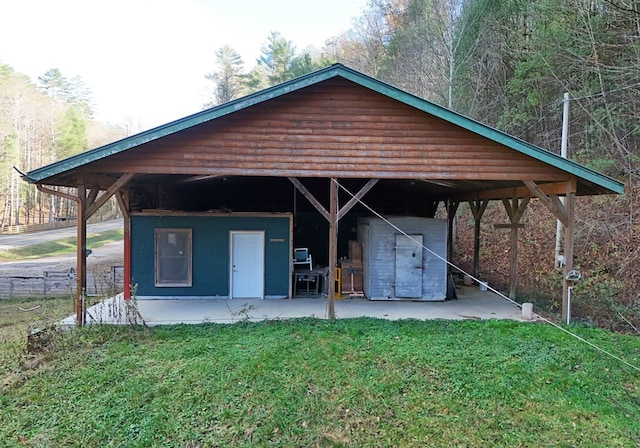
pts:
[483, 286]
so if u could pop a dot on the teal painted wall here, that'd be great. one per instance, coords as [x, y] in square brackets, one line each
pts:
[210, 247]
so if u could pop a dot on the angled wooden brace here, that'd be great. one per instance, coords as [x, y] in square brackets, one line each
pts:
[307, 194]
[552, 202]
[94, 203]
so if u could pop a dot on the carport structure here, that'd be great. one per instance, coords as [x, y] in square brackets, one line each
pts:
[288, 150]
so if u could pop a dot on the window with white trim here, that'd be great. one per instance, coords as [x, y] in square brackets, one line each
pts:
[173, 257]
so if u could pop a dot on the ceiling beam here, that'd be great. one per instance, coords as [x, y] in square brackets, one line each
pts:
[553, 188]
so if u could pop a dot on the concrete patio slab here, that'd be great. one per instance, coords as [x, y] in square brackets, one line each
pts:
[472, 304]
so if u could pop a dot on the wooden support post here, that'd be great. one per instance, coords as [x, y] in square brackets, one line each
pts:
[333, 216]
[87, 205]
[515, 209]
[333, 243]
[81, 245]
[565, 214]
[477, 210]
[123, 201]
[127, 258]
[513, 262]
[452, 208]
[81, 257]
[569, 204]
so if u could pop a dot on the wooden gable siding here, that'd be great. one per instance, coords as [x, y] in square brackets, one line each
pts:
[332, 129]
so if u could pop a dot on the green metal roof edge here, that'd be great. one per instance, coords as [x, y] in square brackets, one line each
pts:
[314, 78]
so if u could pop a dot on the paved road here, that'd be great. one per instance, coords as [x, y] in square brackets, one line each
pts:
[27, 239]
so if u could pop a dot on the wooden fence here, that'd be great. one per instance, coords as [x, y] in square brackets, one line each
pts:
[61, 283]
[29, 228]
[57, 224]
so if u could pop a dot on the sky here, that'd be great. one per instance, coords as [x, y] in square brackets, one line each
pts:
[147, 60]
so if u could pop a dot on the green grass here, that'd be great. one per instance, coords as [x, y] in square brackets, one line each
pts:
[309, 382]
[60, 247]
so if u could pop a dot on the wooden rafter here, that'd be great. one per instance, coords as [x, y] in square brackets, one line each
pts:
[310, 197]
[356, 198]
[93, 194]
[550, 188]
[123, 203]
[551, 201]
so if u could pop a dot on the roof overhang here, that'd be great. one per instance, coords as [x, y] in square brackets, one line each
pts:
[588, 182]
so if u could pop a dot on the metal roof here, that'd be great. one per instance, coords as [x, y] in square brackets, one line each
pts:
[337, 70]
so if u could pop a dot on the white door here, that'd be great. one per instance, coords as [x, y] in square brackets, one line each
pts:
[409, 266]
[247, 265]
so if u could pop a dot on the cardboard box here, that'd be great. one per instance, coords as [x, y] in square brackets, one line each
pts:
[355, 251]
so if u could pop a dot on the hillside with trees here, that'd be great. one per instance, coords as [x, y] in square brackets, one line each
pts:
[508, 64]
[41, 122]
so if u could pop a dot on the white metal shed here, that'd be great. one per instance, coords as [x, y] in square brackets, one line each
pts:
[398, 267]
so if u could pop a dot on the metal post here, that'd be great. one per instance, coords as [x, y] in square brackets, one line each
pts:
[568, 249]
[569, 289]
[564, 153]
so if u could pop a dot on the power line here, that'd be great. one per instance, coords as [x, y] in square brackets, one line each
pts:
[617, 89]
[579, 338]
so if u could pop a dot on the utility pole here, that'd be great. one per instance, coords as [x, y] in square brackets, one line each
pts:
[559, 261]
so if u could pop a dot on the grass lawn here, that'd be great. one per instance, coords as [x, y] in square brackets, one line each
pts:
[317, 383]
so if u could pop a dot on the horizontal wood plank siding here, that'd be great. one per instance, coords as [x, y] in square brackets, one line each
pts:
[332, 129]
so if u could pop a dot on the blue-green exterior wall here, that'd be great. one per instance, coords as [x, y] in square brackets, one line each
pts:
[210, 253]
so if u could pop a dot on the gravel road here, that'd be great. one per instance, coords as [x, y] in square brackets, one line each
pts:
[102, 258]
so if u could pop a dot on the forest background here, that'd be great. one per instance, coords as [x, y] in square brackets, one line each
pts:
[505, 63]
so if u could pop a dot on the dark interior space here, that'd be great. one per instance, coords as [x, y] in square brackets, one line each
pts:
[277, 194]
[229, 194]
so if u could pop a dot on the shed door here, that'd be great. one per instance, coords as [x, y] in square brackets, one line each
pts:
[409, 266]
[247, 265]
